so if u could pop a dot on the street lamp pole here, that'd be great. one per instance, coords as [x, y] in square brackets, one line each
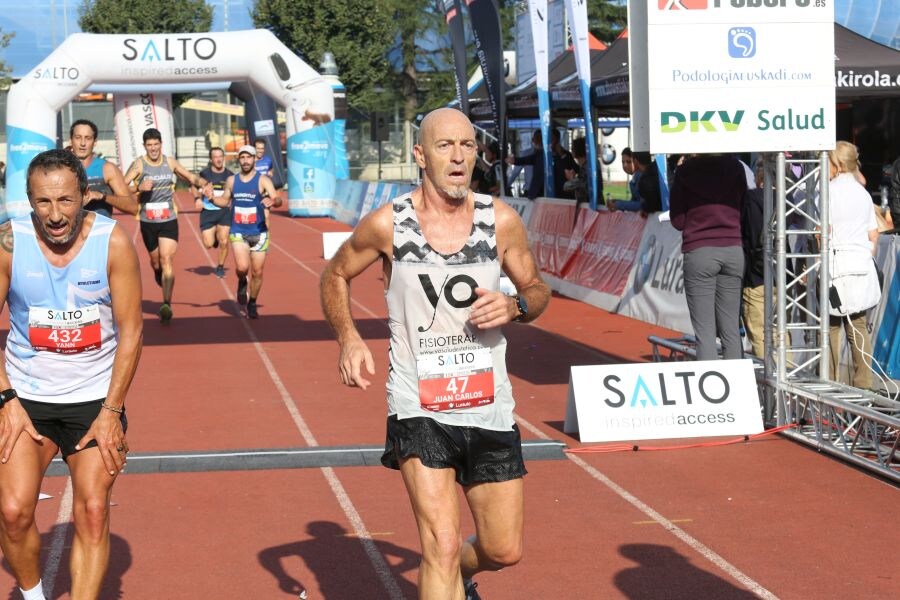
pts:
[379, 159]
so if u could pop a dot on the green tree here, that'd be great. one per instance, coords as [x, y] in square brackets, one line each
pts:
[607, 19]
[359, 33]
[5, 68]
[145, 16]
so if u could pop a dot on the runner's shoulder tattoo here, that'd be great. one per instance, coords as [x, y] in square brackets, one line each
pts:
[6, 237]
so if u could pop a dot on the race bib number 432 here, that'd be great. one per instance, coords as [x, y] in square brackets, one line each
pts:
[64, 331]
[455, 380]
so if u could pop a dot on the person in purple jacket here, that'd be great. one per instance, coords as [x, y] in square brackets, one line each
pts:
[705, 204]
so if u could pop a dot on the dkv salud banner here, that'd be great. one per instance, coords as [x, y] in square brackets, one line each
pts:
[646, 401]
[740, 75]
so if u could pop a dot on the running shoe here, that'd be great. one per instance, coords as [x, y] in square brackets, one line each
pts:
[242, 291]
[220, 271]
[469, 588]
[252, 313]
[165, 313]
[157, 276]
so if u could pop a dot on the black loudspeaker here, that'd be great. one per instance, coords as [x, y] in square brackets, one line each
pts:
[379, 127]
[280, 66]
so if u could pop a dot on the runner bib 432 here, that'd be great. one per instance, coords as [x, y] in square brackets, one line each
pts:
[64, 331]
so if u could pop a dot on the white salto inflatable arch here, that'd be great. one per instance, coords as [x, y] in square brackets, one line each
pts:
[178, 62]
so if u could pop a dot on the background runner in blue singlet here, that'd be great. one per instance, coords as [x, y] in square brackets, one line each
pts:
[251, 194]
[107, 187]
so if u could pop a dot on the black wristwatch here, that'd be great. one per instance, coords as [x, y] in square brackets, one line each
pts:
[522, 306]
[7, 395]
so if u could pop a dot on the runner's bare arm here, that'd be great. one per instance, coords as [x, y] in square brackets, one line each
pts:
[493, 308]
[271, 199]
[225, 199]
[125, 289]
[190, 178]
[133, 174]
[121, 196]
[370, 241]
[13, 418]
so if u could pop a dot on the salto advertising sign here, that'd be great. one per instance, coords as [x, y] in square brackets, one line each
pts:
[740, 75]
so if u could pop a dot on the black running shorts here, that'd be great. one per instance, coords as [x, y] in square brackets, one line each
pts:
[477, 455]
[212, 218]
[65, 424]
[151, 232]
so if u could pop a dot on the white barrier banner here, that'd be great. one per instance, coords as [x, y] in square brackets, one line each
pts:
[522, 206]
[136, 113]
[655, 289]
[646, 401]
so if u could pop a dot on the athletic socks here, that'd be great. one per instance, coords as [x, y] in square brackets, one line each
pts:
[35, 593]
[252, 313]
[242, 291]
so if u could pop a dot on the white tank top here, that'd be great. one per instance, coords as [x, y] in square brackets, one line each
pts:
[62, 336]
[441, 366]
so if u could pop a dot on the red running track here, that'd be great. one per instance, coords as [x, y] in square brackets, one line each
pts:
[763, 519]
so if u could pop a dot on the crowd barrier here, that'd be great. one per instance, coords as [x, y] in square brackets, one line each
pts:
[617, 261]
[624, 263]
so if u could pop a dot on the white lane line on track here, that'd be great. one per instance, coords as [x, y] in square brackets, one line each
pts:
[359, 527]
[58, 541]
[681, 534]
[312, 272]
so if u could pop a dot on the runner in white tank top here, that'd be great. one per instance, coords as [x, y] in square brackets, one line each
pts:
[72, 283]
[450, 406]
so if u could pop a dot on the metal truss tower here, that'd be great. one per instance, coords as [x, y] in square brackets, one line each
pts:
[859, 426]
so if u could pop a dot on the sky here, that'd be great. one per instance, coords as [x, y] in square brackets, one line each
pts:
[41, 25]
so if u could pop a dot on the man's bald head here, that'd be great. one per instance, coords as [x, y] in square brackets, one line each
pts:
[438, 117]
[446, 152]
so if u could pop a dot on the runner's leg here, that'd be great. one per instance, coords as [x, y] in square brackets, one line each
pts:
[257, 264]
[209, 237]
[432, 493]
[20, 483]
[92, 489]
[498, 510]
[167, 249]
[241, 252]
[222, 236]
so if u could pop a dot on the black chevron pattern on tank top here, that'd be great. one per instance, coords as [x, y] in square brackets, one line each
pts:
[410, 245]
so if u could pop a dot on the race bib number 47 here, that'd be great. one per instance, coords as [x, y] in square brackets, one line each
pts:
[245, 215]
[64, 331]
[455, 380]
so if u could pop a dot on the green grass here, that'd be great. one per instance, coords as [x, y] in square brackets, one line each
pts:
[617, 191]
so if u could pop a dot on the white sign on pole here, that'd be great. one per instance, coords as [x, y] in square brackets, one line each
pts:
[134, 114]
[740, 75]
[645, 401]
